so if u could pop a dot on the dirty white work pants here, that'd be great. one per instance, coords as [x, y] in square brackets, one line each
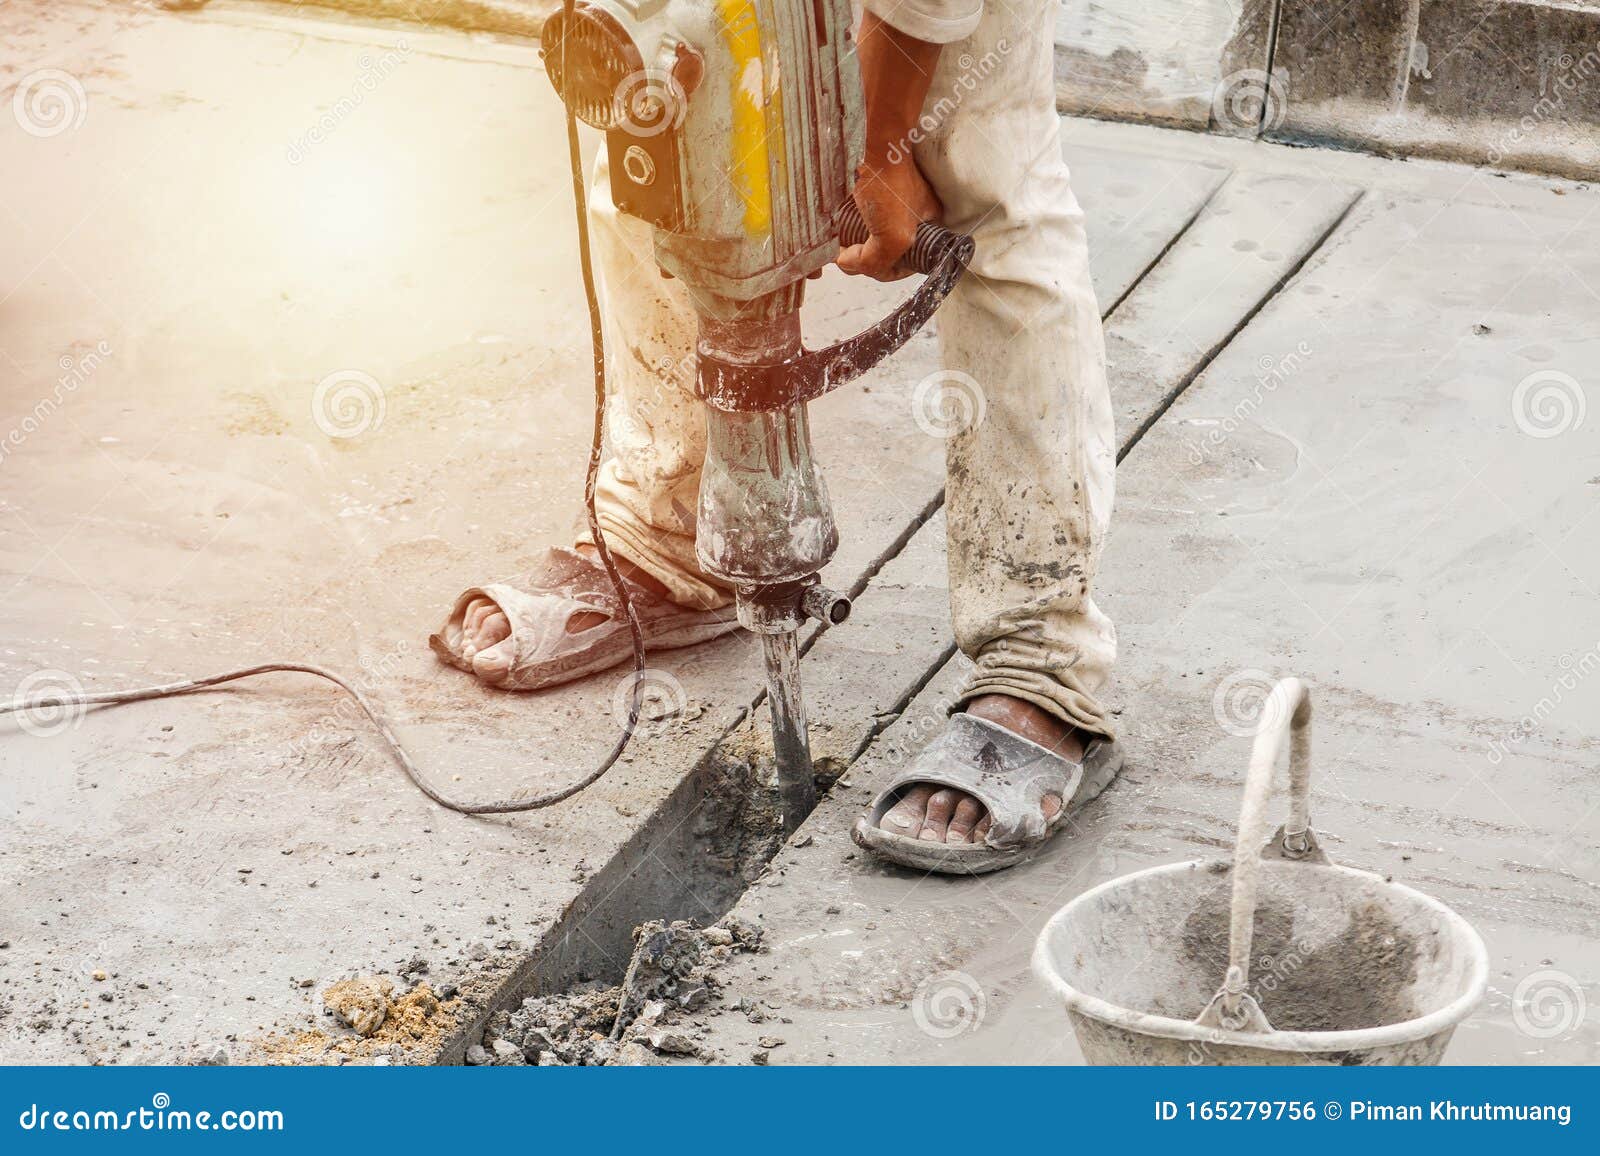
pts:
[1030, 484]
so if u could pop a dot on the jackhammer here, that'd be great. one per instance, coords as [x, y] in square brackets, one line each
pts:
[735, 128]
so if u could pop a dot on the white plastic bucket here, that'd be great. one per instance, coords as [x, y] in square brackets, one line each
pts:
[1319, 964]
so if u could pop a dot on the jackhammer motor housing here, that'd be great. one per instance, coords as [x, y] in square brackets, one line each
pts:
[733, 126]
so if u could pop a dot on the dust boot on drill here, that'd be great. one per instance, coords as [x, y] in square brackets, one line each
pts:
[1030, 470]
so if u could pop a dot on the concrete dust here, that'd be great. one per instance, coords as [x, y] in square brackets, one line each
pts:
[1359, 979]
[650, 1016]
[407, 1029]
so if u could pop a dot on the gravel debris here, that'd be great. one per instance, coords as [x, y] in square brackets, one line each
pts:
[649, 1016]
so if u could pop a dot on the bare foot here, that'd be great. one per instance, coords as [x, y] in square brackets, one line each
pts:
[945, 815]
[484, 625]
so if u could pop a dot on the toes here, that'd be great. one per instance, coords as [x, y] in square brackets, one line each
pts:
[941, 806]
[492, 663]
[472, 618]
[1050, 805]
[967, 813]
[905, 817]
[981, 831]
[494, 629]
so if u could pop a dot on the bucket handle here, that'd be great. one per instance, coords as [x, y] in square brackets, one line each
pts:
[1285, 719]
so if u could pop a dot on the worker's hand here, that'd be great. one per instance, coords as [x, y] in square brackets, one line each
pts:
[894, 199]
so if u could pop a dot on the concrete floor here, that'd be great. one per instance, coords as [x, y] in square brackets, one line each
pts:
[253, 202]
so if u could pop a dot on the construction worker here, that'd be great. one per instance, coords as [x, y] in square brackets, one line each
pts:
[961, 127]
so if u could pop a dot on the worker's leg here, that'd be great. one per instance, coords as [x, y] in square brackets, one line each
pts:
[1031, 473]
[649, 488]
[646, 494]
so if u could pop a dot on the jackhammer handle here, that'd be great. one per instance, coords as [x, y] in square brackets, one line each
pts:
[932, 244]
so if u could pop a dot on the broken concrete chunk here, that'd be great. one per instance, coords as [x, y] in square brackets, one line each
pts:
[671, 1043]
[507, 1054]
[477, 1056]
[361, 1003]
[635, 1055]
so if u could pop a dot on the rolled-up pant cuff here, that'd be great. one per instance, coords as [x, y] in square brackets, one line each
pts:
[686, 584]
[1067, 703]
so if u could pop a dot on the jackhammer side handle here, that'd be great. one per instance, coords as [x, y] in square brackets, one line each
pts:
[940, 254]
[931, 245]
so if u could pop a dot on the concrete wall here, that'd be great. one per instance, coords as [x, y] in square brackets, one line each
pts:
[1514, 83]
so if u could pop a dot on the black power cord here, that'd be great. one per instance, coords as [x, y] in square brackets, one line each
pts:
[52, 700]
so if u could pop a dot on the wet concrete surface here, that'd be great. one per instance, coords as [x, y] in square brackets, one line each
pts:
[210, 856]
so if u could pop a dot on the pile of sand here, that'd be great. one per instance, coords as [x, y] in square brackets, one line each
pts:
[384, 1026]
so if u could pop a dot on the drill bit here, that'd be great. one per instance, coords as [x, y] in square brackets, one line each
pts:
[797, 791]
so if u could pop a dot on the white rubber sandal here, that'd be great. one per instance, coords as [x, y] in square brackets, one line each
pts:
[1009, 775]
[545, 653]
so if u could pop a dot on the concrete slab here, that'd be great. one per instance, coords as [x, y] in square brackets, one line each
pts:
[1392, 516]
[318, 202]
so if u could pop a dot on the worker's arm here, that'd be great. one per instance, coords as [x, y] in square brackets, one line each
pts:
[896, 70]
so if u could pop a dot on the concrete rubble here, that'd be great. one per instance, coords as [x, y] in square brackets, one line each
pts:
[656, 1011]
